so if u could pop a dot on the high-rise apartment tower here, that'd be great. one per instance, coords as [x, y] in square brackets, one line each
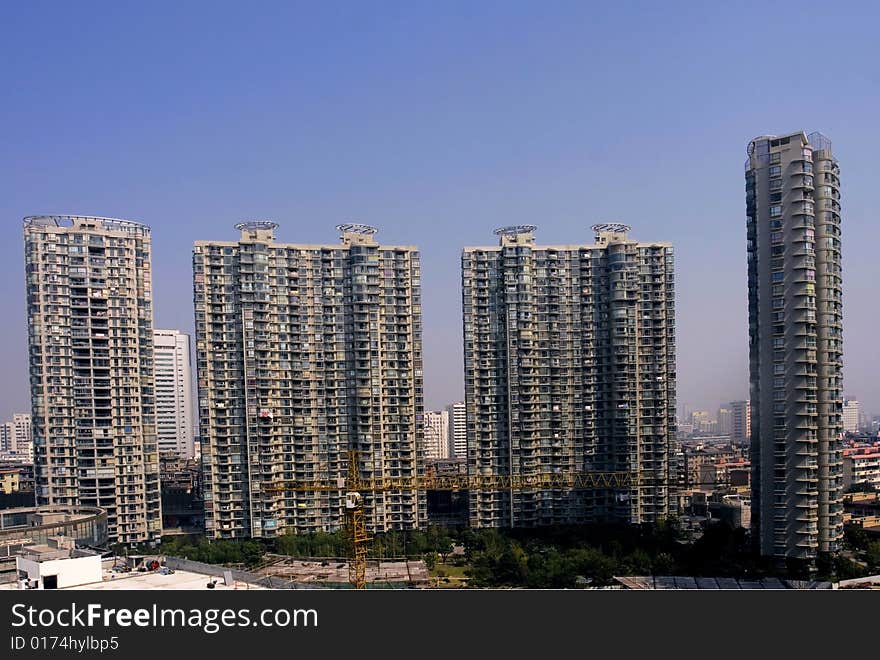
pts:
[569, 367]
[90, 338]
[305, 352]
[850, 415]
[436, 435]
[174, 401]
[740, 422]
[457, 413]
[795, 345]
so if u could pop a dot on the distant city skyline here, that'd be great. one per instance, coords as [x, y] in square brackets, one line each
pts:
[437, 124]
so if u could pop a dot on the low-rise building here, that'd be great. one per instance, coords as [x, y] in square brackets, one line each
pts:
[861, 465]
[57, 565]
[10, 481]
[710, 466]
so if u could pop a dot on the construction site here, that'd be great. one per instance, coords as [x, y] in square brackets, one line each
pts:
[334, 572]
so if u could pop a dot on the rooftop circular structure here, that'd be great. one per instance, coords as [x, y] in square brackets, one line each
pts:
[256, 225]
[113, 224]
[512, 230]
[356, 228]
[615, 227]
[86, 524]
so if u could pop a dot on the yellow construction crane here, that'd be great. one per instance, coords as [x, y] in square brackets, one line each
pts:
[354, 485]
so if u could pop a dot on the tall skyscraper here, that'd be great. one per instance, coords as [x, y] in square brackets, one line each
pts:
[795, 345]
[90, 336]
[724, 421]
[174, 405]
[457, 413]
[569, 367]
[304, 353]
[436, 434]
[740, 422]
[850, 415]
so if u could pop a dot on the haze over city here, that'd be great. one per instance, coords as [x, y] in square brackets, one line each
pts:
[325, 115]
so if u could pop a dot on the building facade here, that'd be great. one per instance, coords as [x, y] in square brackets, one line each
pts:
[436, 435]
[795, 342]
[304, 353]
[569, 367]
[861, 465]
[90, 339]
[174, 401]
[10, 480]
[7, 438]
[851, 416]
[16, 436]
[725, 420]
[457, 430]
[740, 422]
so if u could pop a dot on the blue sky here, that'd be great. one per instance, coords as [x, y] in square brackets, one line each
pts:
[438, 121]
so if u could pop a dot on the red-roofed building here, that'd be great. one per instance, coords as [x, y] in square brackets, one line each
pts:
[861, 465]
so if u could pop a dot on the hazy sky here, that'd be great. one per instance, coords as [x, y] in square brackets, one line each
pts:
[438, 121]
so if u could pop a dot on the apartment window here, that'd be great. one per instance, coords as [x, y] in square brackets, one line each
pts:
[775, 170]
[778, 303]
[775, 158]
[776, 197]
[776, 184]
[778, 369]
[775, 211]
[777, 277]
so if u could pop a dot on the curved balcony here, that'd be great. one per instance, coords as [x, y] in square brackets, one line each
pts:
[806, 447]
[805, 355]
[802, 179]
[802, 262]
[807, 476]
[806, 504]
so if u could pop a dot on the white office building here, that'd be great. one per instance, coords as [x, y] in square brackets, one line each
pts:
[436, 435]
[457, 430]
[174, 401]
[851, 416]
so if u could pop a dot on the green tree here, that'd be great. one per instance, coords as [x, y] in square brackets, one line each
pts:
[872, 554]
